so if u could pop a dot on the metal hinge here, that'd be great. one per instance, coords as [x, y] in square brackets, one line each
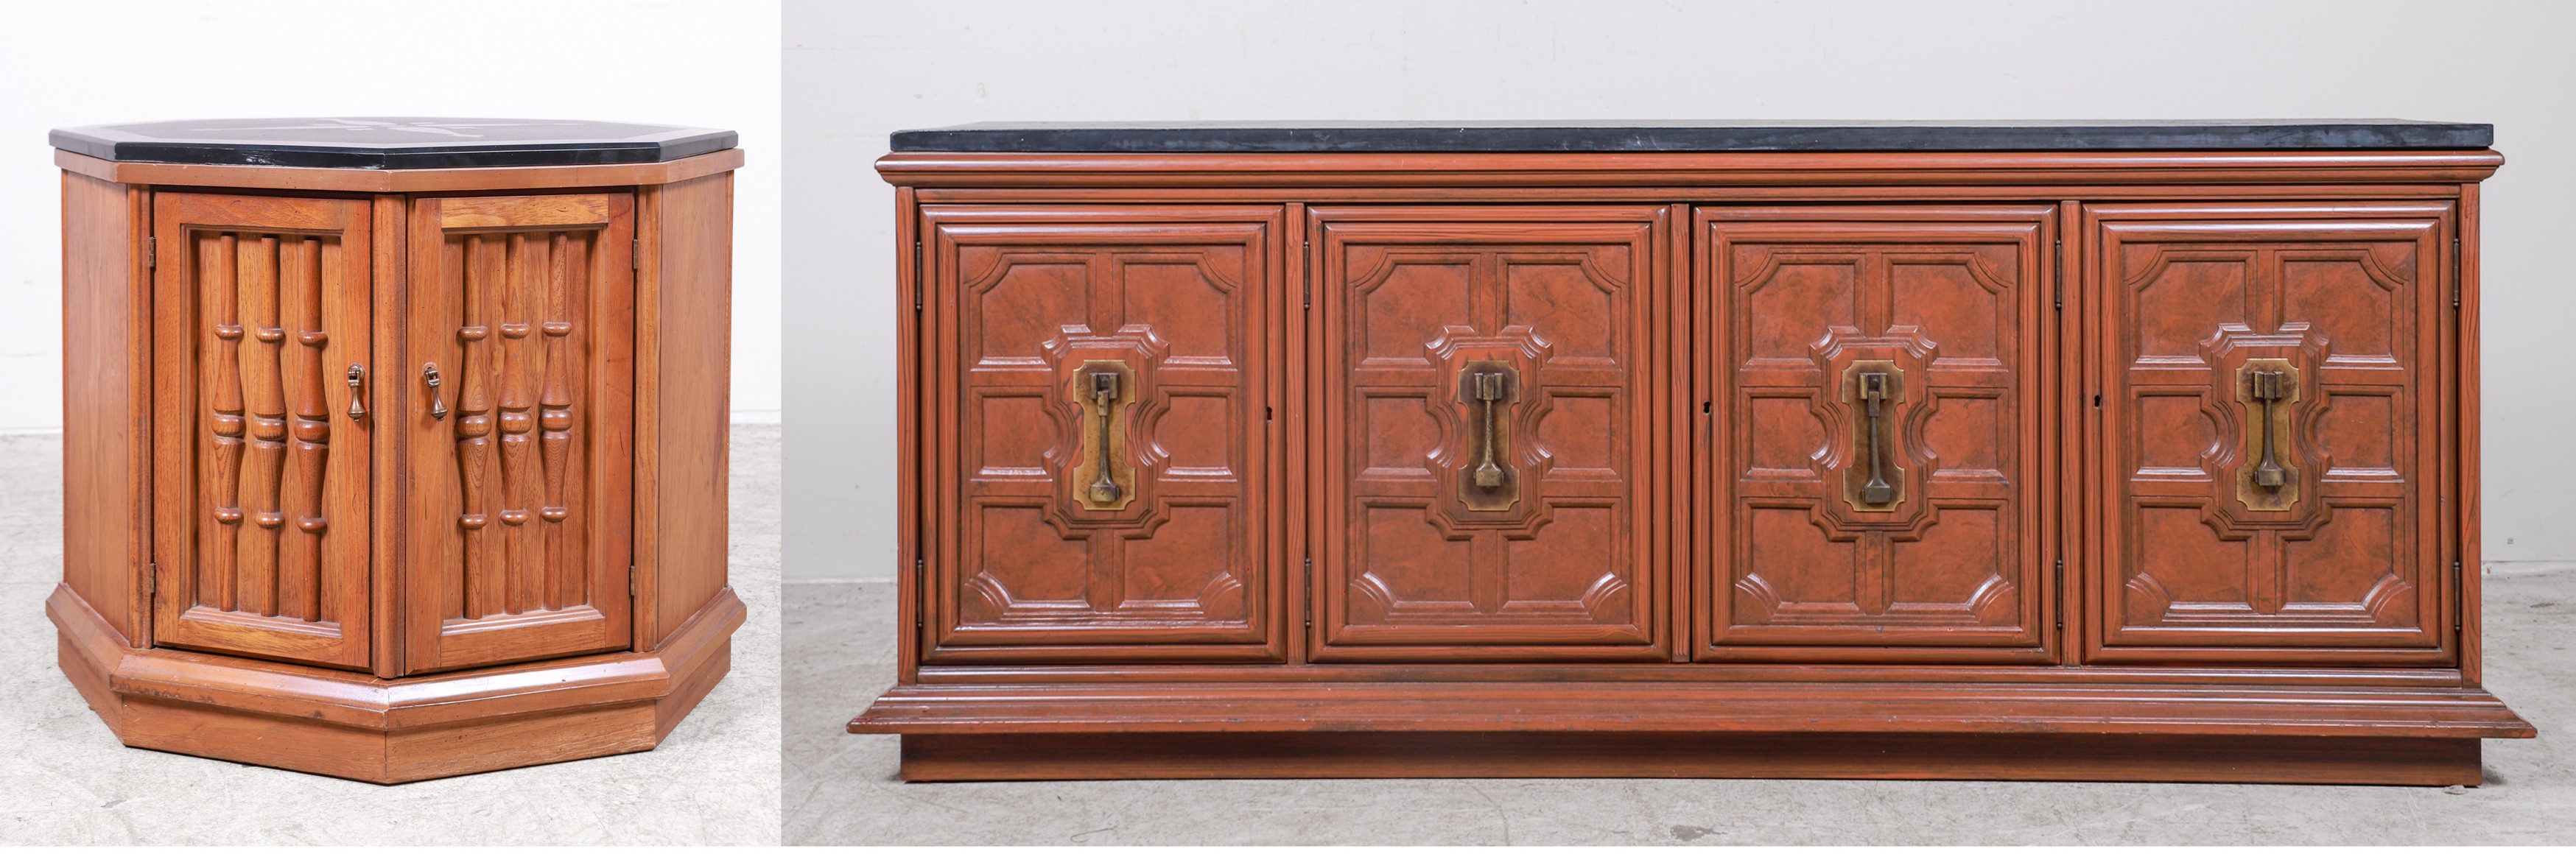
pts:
[2061, 594]
[1305, 274]
[2059, 294]
[631, 590]
[920, 577]
[2457, 266]
[152, 252]
[1310, 598]
[635, 254]
[918, 271]
[2459, 613]
[152, 583]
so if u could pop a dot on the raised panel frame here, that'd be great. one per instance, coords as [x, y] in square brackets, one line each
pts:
[2039, 382]
[938, 350]
[1656, 324]
[2434, 228]
[433, 546]
[181, 394]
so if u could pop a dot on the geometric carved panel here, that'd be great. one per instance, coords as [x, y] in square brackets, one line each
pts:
[1109, 385]
[2273, 476]
[1488, 380]
[1876, 376]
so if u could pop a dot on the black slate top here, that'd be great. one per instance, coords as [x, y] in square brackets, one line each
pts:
[391, 142]
[1245, 137]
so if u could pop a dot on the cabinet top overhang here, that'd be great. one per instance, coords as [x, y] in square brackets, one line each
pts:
[1665, 136]
[390, 143]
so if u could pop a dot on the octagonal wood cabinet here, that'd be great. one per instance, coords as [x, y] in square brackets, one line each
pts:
[2140, 451]
[395, 447]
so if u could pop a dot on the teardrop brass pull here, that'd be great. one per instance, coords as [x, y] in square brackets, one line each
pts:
[357, 392]
[437, 407]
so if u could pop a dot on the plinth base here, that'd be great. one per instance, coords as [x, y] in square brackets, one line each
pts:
[1859, 756]
[2424, 735]
[359, 727]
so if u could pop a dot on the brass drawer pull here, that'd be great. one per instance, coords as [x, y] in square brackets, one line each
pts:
[2269, 388]
[437, 407]
[1104, 395]
[1491, 484]
[1873, 394]
[357, 392]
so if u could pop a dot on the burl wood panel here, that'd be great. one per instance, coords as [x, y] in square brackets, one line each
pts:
[1518, 521]
[107, 383]
[262, 457]
[1948, 309]
[684, 407]
[518, 468]
[1073, 520]
[2340, 560]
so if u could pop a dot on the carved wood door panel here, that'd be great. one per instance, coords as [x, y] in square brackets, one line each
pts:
[261, 461]
[519, 463]
[2271, 415]
[1097, 399]
[1492, 413]
[1877, 477]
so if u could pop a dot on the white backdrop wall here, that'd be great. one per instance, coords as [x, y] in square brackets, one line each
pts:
[709, 63]
[857, 71]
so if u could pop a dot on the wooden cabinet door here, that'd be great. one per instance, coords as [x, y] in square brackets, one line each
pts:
[2271, 466]
[1097, 417]
[260, 453]
[1875, 464]
[517, 467]
[1491, 398]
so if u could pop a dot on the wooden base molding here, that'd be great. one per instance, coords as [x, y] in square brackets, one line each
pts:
[2414, 712]
[359, 727]
[1858, 756]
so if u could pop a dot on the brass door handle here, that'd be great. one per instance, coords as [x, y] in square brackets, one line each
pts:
[1104, 394]
[1489, 391]
[1489, 484]
[437, 407]
[357, 392]
[1873, 396]
[2269, 388]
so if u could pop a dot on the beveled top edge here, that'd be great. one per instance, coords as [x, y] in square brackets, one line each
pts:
[387, 143]
[1686, 136]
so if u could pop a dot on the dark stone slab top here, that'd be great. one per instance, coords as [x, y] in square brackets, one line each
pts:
[379, 142]
[1300, 137]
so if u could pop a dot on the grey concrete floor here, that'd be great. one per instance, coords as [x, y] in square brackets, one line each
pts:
[840, 788]
[64, 780]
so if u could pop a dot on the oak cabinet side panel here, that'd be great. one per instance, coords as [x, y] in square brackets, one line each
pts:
[691, 257]
[107, 379]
